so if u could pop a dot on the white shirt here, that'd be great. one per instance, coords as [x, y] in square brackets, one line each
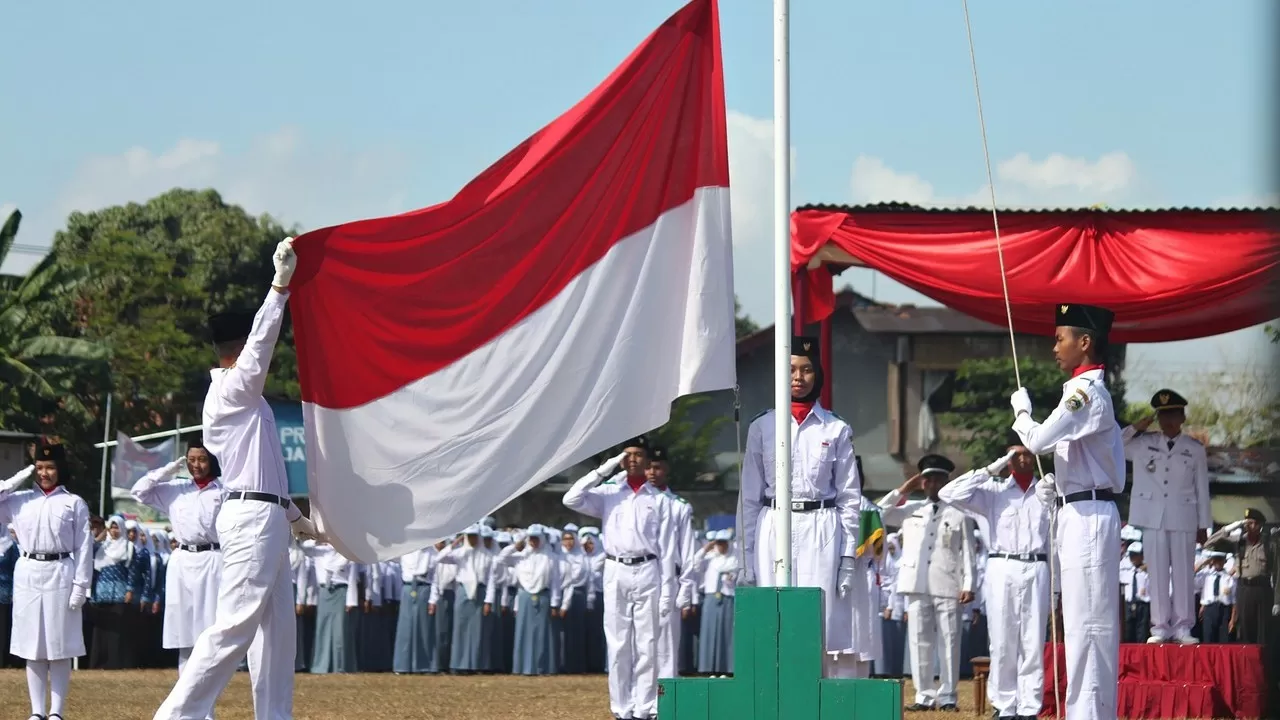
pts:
[53, 523]
[334, 571]
[1138, 590]
[822, 468]
[1082, 432]
[475, 564]
[535, 571]
[192, 512]
[239, 427]
[1017, 521]
[634, 523]
[1226, 587]
[417, 564]
[938, 556]
[718, 573]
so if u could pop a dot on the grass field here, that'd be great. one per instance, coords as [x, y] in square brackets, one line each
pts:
[135, 695]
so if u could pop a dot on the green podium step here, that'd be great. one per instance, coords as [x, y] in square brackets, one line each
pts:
[777, 662]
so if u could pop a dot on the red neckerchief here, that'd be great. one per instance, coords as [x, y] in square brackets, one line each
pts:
[202, 483]
[1086, 368]
[800, 410]
[636, 482]
[1024, 481]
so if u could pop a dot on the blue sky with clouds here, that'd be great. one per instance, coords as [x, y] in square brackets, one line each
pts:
[321, 112]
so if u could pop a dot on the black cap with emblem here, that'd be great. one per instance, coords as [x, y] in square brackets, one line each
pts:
[230, 326]
[934, 464]
[1168, 400]
[1256, 515]
[1086, 317]
[50, 452]
[639, 441]
[807, 346]
[658, 454]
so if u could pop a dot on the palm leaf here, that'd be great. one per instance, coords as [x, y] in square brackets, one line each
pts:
[50, 350]
[8, 233]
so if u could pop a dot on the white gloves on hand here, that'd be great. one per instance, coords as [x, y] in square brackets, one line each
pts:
[304, 529]
[77, 598]
[664, 605]
[285, 261]
[610, 465]
[1021, 402]
[1046, 492]
[17, 479]
[1234, 526]
[995, 467]
[1275, 609]
[844, 580]
[175, 466]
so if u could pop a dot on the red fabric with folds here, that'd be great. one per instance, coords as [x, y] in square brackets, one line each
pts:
[1169, 275]
[1177, 681]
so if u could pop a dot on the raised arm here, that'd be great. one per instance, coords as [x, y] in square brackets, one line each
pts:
[1077, 416]
[152, 490]
[580, 497]
[245, 380]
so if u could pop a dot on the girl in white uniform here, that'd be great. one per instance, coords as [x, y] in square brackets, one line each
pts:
[52, 577]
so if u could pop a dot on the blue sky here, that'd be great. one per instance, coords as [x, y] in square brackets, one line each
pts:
[318, 112]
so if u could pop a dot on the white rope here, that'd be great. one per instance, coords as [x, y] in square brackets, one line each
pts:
[741, 544]
[1013, 347]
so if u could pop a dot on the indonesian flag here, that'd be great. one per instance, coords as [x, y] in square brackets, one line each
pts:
[454, 357]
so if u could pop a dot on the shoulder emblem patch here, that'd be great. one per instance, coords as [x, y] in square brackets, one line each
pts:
[1077, 400]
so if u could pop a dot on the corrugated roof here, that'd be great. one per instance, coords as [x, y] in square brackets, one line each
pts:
[890, 207]
[909, 320]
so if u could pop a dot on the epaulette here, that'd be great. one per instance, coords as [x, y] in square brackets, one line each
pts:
[677, 498]
[761, 414]
[609, 482]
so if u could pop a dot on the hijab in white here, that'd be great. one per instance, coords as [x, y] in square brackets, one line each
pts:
[112, 550]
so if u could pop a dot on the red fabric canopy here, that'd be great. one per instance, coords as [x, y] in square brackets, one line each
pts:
[1168, 275]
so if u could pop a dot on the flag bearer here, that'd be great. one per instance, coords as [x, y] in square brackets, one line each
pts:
[1089, 459]
[936, 573]
[1170, 504]
[826, 499]
[51, 578]
[639, 561]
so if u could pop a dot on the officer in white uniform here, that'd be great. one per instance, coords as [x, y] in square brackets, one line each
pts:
[1170, 504]
[826, 500]
[1089, 459]
[255, 602]
[640, 563]
[936, 573]
[1016, 583]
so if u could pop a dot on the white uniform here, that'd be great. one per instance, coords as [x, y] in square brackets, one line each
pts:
[195, 568]
[1088, 456]
[638, 592]
[825, 486]
[1170, 501]
[936, 565]
[255, 602]
[685, 541]
[1015, 586]
[44, 626]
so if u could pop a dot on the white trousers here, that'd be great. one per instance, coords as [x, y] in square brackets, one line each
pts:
[1170, 556]
[1088, 544]
[255, 615]
[631, 637]
[1017, 599]
[669, 642]
[933, 624]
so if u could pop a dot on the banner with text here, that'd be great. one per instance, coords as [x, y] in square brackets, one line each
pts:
[293, 443]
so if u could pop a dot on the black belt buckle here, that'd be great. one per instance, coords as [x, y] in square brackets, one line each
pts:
[629, 561]
[200, 548]
[261, 497]
[45, 556]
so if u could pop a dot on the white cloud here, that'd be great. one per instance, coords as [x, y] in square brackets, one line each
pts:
[1055, 181]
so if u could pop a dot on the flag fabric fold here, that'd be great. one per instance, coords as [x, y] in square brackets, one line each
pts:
[870, 532]
[452, 358]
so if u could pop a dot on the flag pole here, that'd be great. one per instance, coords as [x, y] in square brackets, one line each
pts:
[782, 290]
[102, 477]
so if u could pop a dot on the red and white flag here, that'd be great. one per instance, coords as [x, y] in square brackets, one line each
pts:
[454, 357]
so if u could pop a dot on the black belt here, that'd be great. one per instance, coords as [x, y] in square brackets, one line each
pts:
[1261, 581]
[260, 497]
[1021, 557]
[45, 557]
[1100, 495]
[803, 505]
[631, 560]
[200, 548]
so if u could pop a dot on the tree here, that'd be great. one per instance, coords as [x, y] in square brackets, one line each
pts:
[1236, 408]
[743, 325]
[980, 404]
[39, 367]
[688, 443]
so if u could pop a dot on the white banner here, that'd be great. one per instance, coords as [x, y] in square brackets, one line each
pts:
[132, 461]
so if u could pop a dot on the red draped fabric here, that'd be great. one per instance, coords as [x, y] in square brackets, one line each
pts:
[1179, 681]
[1169, 275]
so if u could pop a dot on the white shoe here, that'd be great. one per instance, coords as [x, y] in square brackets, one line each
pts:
[1187, 640]
[1156, 640]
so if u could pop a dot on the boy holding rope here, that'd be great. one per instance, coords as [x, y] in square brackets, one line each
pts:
[1089, 459]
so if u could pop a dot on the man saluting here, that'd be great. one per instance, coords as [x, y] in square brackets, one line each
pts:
[255, 601]
[1089, 459]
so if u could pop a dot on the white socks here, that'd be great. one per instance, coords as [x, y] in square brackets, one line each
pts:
[41, 673]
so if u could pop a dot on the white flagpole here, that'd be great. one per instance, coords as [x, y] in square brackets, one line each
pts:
[102, 478]
[782, 289]
[177, 437]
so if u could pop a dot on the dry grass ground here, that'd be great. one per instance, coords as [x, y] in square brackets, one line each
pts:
[135, 695]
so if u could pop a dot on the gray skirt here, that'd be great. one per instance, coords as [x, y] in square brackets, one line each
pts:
[534, 652]
[715, 637]
[470, 653]
[336, 633]
[415, 631]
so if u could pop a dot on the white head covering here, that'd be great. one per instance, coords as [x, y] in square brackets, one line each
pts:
[111, 551]
[503, 537]
[1135, 548]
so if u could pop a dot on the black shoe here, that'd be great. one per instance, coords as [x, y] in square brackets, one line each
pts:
[919, 707]
[949, 707]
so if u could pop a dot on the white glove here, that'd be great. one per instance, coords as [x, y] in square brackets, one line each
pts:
[995, 467]
[77, 598]
[175, 466]
[610, 465]
[844, 580]
[285, 261]
[1234, 526]
[664, 605]
[17, 479]
[1020, 401]
[304, 529]
[1275, 609]
[1046, 492]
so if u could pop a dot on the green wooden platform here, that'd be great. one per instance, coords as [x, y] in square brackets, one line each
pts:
[777, 660]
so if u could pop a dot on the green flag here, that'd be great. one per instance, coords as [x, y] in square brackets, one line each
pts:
[870, 532]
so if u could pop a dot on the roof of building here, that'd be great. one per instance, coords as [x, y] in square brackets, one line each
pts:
[891, 207]
[846, 299]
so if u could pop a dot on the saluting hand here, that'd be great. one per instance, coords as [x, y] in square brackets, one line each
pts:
[285, 261]
[1142, 424]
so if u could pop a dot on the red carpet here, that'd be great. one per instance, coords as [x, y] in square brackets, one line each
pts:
[1179, 681]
